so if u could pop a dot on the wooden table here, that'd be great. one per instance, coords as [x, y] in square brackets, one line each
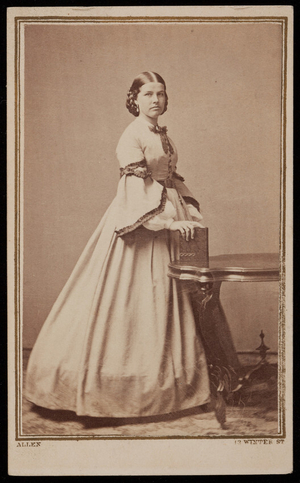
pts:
[204, 285]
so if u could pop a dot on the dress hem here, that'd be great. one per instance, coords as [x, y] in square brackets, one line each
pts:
[201, 402]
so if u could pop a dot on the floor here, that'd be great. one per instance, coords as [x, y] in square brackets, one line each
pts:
[252, 413]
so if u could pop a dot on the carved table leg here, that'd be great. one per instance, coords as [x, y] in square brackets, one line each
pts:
[223, 363]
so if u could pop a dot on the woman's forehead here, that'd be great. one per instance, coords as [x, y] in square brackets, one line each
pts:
[152, 86]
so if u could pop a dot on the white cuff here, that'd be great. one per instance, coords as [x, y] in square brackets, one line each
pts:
[195, 214]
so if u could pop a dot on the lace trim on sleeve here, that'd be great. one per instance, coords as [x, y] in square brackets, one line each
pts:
[146, 216]
[139, 169]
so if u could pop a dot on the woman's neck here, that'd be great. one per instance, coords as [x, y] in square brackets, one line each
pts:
[148, 119]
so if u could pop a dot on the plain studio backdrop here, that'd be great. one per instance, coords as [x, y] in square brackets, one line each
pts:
[224, 115]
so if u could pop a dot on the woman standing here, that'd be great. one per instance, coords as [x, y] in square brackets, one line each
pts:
[121, 340]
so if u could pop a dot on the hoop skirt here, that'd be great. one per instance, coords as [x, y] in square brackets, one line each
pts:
[121, 339]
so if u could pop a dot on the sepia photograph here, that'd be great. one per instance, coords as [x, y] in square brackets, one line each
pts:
[149, 178]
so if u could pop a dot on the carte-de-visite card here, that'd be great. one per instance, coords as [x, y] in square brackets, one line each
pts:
[129, 129]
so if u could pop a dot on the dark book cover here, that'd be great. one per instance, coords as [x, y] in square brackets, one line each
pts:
[193, 252]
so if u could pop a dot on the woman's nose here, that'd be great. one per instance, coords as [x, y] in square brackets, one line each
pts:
[155, 98]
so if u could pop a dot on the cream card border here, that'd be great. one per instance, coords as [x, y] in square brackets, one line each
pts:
[84, 456]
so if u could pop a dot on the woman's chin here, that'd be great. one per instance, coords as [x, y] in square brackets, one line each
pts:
[155, 113]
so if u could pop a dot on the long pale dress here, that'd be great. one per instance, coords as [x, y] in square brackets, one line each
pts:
[121, 339]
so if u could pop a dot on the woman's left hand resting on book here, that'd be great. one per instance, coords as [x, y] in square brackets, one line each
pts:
[186, 228]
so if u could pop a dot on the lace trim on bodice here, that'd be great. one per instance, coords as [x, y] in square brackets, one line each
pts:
[162, 131]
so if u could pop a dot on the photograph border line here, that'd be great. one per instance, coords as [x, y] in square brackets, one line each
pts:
[283, 20]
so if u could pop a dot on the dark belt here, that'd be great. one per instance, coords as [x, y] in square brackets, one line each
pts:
[168, 183]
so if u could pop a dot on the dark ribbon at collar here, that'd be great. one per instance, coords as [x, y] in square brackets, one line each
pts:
[162, 131]
[158, 129]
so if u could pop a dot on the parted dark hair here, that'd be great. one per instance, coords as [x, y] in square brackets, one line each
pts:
[138, 82]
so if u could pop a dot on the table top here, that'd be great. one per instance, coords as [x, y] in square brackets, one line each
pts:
[242, 267]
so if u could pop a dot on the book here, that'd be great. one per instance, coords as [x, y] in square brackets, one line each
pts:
[193, 252]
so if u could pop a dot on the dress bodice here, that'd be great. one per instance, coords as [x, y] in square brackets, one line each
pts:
[139, 143]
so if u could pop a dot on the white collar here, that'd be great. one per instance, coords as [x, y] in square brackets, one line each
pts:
[144, 121]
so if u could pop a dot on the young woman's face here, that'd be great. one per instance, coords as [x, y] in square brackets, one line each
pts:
[151, 100]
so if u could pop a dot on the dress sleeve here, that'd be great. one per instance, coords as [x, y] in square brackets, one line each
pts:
[163, 220]
[180, 186]
[130, 148]
[139, 197]
[195, 214]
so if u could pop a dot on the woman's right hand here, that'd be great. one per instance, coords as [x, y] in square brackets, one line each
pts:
[186, 228]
